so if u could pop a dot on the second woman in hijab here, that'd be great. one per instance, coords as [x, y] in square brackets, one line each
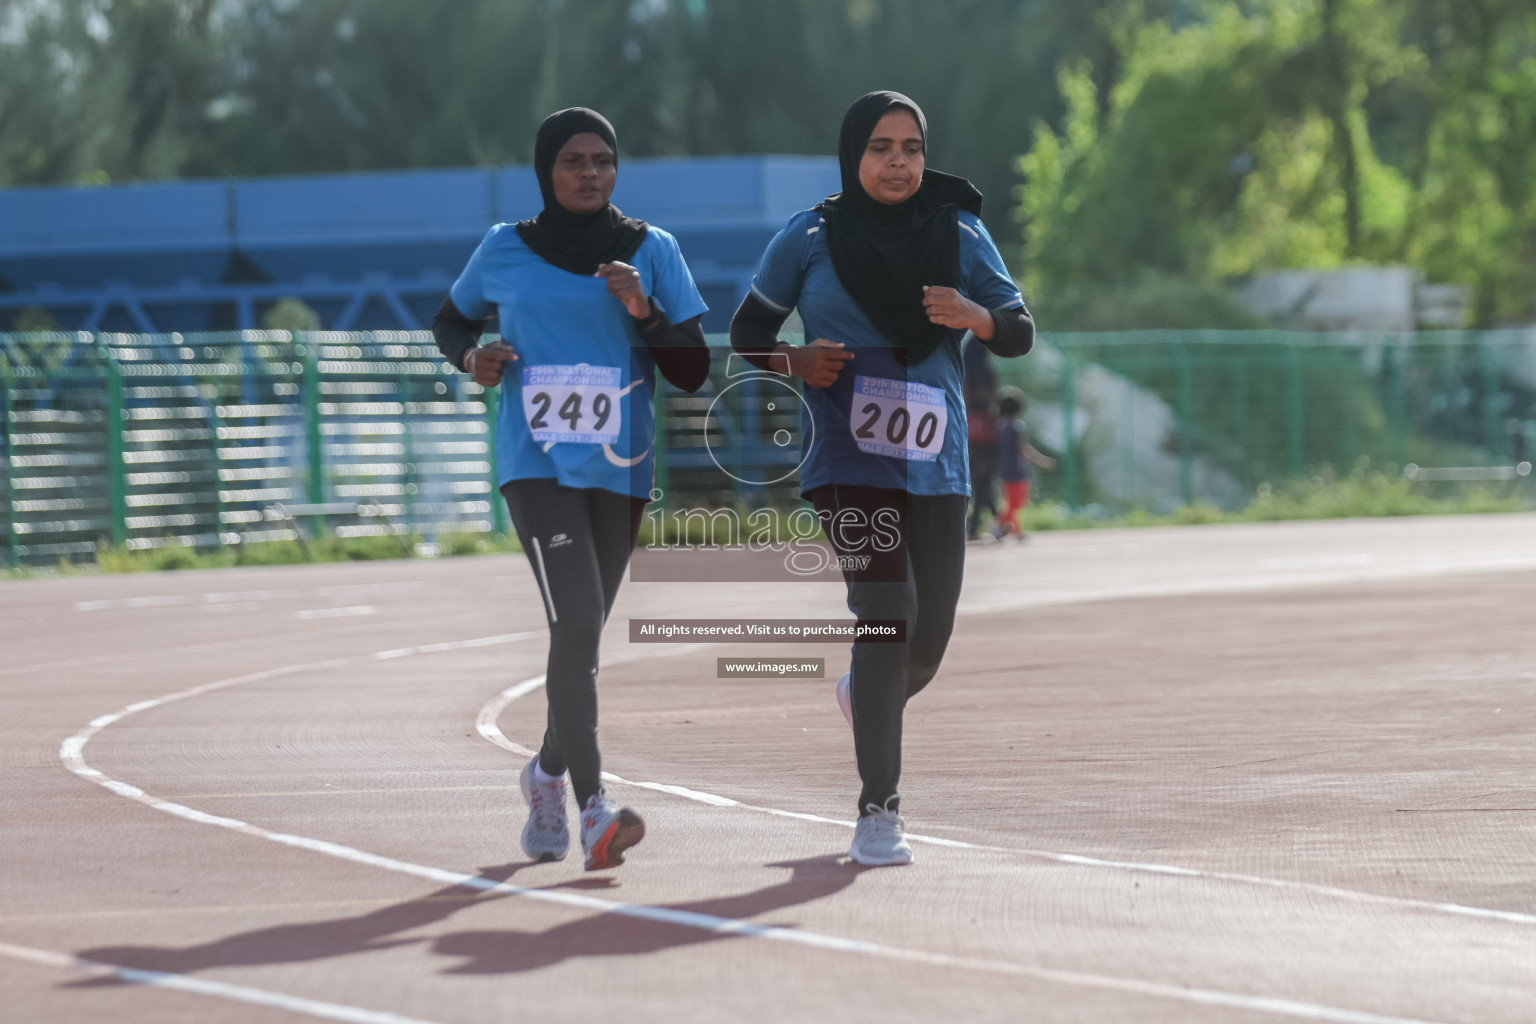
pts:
[888, 275]
[590, 303]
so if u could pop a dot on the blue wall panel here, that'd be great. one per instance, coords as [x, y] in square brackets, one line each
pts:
[125, 218]
[364, 250]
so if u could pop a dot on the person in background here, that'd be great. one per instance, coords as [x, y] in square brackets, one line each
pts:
[980, 431]
[1015, 455]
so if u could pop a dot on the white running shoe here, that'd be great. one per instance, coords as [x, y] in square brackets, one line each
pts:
[880, 838]
[546, 837]
[845, 696]
[607, 830]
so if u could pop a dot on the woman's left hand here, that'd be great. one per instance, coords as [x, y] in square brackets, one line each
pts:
[624, 285]
[948, 307]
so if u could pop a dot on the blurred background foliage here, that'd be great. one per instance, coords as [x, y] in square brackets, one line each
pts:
[1152, 151]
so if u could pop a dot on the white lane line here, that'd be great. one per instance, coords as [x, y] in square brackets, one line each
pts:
[457, 645]
[1257, 582]
[72, 750]
[131, 602]
[166, 600]
[166, 653]
[486, 726]
[731, 926]
[335, 613]
[203, 987]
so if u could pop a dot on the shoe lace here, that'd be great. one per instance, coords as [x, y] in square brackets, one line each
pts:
[547, 801]
[884, 821]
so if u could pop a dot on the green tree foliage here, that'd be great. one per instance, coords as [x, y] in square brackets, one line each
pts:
[117, 90]
[104, 90]
[1467, 139]
[355, 84]
[1172, 145]
[1279, 134]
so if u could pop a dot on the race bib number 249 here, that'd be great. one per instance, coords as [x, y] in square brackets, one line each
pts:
[576, 404]
[898, 418]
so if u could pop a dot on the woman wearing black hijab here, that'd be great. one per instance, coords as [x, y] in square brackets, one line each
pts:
[589, 304]
[889, 275]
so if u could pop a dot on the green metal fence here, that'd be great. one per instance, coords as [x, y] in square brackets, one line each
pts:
[1161, 419]
[144, 441]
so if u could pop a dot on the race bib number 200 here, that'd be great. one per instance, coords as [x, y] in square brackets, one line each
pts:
[898, 418]
[577, 404]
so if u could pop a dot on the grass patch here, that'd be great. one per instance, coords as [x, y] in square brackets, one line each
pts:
[325, 548]
[458, 545]
[1324, 496]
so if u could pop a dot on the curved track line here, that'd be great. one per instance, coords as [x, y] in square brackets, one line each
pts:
[71, 752]
[485, 725]
[212, 645]
[203, 987]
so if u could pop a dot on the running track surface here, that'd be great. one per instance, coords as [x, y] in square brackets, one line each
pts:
[1248, 773]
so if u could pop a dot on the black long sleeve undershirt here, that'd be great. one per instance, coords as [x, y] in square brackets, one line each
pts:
[1013, 332]
[755, 332]
[455, 333]
[680, 351]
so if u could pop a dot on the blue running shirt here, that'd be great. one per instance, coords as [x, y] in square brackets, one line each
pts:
[880, 424]
[578, 405]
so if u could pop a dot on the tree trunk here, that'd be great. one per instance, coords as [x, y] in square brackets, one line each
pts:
[1338, 112]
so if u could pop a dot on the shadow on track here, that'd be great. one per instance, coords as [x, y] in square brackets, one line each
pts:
[510, 951]
[311, 940]
[502, 951]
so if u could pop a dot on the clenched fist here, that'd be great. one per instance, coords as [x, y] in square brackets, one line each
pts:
[488, 362]
[624, 285]
[818, 363]
[948, 307]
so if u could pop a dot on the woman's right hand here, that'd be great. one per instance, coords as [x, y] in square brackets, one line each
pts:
[488, 362]
[818, 363]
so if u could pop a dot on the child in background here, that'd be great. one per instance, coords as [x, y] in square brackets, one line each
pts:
[1014, 457]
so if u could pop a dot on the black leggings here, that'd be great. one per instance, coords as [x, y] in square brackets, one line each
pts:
[917, 579]
[579, 541]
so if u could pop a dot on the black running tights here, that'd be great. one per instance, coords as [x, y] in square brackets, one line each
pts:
[918, 580]
[579, 541]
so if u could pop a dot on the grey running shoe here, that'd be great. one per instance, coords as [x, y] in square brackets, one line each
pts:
[845, 696]
[880, 838]
[546, 837]
[607, 830]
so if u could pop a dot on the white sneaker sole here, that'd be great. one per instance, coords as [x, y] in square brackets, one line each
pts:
[868, 860]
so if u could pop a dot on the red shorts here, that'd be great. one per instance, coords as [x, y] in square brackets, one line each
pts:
[1016, 494]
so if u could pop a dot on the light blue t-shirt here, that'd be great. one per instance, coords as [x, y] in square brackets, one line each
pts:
[880, 424]
[578, 405]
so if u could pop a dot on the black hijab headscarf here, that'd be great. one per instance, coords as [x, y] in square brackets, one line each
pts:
[885, 254]
[577, 242]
